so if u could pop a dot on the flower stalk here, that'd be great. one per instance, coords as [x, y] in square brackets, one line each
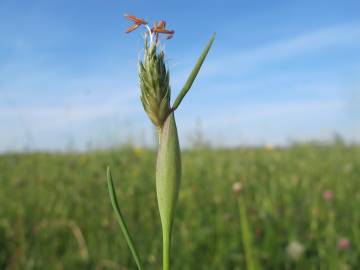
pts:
[155, 98]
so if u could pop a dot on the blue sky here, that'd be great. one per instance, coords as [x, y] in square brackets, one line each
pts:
[279, 71]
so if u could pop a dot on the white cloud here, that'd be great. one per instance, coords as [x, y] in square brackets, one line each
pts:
[51, 117]
[270, 113]
[244, 60]
[269, 122]
[53, 127]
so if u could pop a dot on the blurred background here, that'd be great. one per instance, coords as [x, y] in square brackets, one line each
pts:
[270, 130]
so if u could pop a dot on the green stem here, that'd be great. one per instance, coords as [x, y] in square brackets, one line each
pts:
[166, 250]
[246, 235]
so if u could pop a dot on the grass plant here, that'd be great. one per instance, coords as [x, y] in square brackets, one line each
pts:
[155, 98]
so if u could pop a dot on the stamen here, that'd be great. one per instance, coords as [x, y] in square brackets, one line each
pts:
[158, 28]
[150, 33]
[132, 27]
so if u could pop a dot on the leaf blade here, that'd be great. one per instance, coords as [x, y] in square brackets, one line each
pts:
[193, 74]
[121, 220]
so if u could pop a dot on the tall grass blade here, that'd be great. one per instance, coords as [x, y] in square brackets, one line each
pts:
[251, 263]
[193, 74]
[121, 220]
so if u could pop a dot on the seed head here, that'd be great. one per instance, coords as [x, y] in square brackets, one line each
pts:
[295, 250]
[237, 187]
[154, 85]
[153, 74]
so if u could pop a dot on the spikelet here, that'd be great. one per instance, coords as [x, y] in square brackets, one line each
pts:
[154, 85]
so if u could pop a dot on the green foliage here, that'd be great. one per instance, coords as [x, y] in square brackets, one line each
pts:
[48, 201]
[247, 235]
[121, 220]
[193, 74]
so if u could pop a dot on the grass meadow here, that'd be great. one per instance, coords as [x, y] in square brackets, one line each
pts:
[302, 206]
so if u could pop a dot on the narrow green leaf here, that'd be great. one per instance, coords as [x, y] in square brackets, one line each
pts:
[247, 236]
[193, 74]
[121, 220]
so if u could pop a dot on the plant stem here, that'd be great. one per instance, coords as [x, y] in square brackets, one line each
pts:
[166, 250]
[246, 235]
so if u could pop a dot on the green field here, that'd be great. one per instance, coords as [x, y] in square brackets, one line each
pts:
[55, 211]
